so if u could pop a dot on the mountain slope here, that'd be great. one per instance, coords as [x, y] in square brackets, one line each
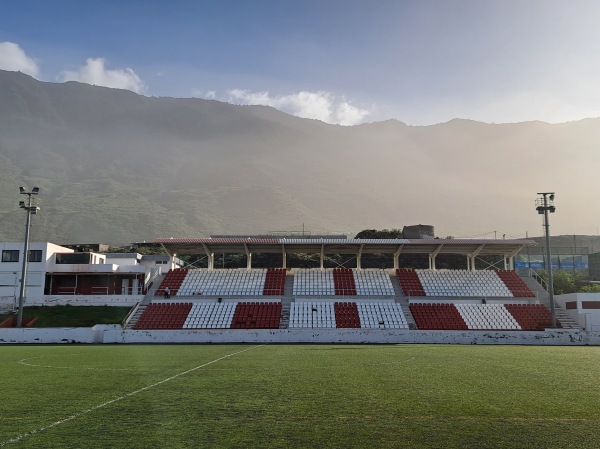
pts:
[115, 166]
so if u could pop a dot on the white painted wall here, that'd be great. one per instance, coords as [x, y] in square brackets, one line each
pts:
[588, 319]
[114, 334]
[10, 272]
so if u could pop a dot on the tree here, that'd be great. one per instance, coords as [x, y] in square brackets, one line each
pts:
[564, 281]
[591, 288]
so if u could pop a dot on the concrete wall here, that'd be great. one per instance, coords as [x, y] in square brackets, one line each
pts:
[47, 335]
[587, 318]
[114, 334]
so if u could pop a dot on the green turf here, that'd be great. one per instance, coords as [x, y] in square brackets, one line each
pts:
[307, 396]
[74, 316]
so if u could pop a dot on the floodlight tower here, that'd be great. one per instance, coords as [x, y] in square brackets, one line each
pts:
[30, 208]
[545, 204]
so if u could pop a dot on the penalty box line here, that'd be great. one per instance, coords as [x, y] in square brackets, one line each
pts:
[120, 398]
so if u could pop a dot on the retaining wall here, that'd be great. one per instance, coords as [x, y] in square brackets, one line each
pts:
[115, 334]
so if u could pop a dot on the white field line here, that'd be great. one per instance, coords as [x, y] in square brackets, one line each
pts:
[26, 363]
[112, 401]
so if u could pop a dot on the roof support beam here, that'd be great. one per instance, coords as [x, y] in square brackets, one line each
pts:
[510, 263]
[322, 257]
[433, 255]
[283, 255]
[358, 257]
[211, 257]
[473, 256]
[396, 256]
[248, 257]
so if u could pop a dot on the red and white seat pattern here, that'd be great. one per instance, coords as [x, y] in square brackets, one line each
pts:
[342, 282]
[462, 283]
[211, 315]
[441, 316]
[363, 314]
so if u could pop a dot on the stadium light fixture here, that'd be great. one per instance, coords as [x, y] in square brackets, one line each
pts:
[30, 208]
[545, 204]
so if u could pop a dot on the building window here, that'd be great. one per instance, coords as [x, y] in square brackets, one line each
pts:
[10, 255]
[35, 255]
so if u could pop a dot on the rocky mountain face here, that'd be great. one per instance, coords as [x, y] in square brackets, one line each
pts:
[117, 167]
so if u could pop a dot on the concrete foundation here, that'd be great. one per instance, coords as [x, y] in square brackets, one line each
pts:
[114, 334]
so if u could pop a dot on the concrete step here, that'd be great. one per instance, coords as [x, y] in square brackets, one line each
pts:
[403, 301]
[565, 319]
[147, 300]
[544, 298]
[284, 323]
[538, 289]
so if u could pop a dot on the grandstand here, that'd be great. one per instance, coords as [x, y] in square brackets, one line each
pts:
[336, 300]
[368, 300]
[399, 298]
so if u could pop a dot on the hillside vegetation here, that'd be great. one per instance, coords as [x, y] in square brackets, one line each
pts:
[118, 167]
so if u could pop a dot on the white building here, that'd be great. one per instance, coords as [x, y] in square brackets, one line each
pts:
[59, 275]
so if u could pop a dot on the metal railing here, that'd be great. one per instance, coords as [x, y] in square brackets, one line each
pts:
[130, 315]
[535, 275]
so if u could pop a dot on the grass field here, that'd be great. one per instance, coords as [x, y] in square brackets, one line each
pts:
[73, 316]
[305, 396]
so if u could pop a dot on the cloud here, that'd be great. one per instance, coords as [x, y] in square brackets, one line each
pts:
[207, 95]
[13, 58]
[319, 105]
[94, 72]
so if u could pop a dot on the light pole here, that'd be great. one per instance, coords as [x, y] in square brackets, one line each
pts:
[545, 204]
[30, 208]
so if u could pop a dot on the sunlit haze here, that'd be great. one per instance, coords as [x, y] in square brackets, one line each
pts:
[350, 62]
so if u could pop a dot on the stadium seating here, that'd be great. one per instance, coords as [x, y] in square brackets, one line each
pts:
[364, 314]
[531, 317]
[238, 282]
[275, 282]
[437, 316]
[410, 282]
[372, 282]
[462, 283]
[312, 315]
[383, 315]
[210, 315]
[173, 280]
[515, 284]
[346, 315]
[487, 316]
[164, 316]
[257, 315]
[342, 282]
[314, 282]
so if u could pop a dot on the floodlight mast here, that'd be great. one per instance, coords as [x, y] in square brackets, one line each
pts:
[30, 209]
[544, 205]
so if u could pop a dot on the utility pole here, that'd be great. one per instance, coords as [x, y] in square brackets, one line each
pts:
[30, 208]
[544, 205]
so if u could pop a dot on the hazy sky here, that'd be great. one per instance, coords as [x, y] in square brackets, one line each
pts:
[347, 62]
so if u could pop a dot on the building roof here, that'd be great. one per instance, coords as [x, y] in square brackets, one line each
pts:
[337, 246]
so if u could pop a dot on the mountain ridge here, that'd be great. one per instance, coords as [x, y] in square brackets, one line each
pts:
[116, 166]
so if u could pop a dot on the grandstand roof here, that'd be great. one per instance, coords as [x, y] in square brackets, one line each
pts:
[337, 246]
